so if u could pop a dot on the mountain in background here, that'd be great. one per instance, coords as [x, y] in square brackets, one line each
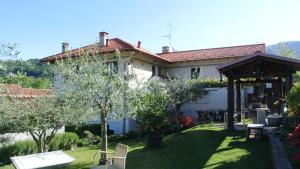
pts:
[291, 44]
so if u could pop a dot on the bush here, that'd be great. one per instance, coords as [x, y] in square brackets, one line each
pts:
[186, 122]
[18, 149]
[293, 99]
[65, 141]
[294, 143]
[93, 128]
[151, 113]
[82, 142]
[120, 137]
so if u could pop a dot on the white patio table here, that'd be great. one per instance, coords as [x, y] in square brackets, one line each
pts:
[42, 160]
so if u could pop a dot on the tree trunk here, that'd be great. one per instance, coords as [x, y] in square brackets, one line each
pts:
[38, 141]
[39, 146]
[177, 109]
[103, 159]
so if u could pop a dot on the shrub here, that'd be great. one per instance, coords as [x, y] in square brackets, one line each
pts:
[64, 141]
[17, 149]
[93, 128]
[151, 113]
[294, 142]
[82, 142]
[293, 99]
[186, 122]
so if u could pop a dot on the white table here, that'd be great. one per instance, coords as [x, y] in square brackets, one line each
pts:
[42, 160]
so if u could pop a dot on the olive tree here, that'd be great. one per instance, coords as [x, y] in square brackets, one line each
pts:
[182, 91]
[41, 117]
[97, 86]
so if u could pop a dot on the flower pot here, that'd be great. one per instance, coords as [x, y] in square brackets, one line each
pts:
[154, 141]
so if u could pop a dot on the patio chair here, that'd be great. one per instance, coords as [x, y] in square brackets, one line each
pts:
[117, 161]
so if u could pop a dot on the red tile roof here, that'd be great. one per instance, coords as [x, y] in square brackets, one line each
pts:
[113, 44]
[213, 53]
[15, 90]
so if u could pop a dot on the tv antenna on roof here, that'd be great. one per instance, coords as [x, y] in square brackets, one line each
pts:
[169, 36]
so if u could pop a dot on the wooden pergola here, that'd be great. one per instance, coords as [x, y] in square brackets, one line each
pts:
[257, 68]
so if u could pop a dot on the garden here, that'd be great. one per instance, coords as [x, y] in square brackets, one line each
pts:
[90, 88]
[203, 146]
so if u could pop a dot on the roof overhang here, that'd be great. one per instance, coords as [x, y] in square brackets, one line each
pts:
[260, 65]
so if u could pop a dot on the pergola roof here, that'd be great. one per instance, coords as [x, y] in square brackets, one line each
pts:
[261, 65]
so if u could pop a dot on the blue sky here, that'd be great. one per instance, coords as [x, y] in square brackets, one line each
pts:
[40, 26]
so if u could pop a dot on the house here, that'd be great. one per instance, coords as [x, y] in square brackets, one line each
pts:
[15, 90]
[185, 64]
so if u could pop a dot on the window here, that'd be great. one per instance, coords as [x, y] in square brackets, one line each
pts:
[115, 67]
[153, 71]
[195, 72]
[159, 70]
[112, 66]
[128, 67]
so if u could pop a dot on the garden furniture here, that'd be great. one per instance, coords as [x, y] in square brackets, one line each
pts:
[117, 161]
[42, 160]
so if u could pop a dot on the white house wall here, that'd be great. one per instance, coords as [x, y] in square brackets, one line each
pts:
[208, 68]
[214, 100]
[210, 72]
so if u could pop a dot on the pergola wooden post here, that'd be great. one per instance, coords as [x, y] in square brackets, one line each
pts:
[262, 67]
[230, 104]
[238, 96]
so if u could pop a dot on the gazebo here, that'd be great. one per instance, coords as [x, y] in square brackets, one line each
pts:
[257, 68]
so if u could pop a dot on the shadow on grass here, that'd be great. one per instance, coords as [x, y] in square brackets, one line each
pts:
[194, 148]
[188, 150]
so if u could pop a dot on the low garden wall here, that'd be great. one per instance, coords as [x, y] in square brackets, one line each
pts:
[10, 138]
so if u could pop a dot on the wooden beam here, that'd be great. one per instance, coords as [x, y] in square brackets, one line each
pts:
[230, 104]
[238, 96]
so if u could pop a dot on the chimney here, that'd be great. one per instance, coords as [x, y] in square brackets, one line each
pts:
[64, 47]
[107, 42]
[103, 37]
[139, 44]
[165, 49]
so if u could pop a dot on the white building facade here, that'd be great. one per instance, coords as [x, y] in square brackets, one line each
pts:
[182, 64]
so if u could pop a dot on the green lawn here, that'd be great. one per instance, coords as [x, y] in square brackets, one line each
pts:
[200, 147]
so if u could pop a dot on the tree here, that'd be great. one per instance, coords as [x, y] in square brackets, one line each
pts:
[181, 91]
[8, 50]
[41, 117]
[96, 85]
[283, 49]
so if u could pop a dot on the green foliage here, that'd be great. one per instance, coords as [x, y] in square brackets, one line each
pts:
[64, 141]
[41, 117]
[96, 88]
[284, 50]
[94, 128]
[120, 137]
[150, 108]
[8, 50]
[17, 149]
[293, 100]
[209, 83]
[32, 68]
[27, 82]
